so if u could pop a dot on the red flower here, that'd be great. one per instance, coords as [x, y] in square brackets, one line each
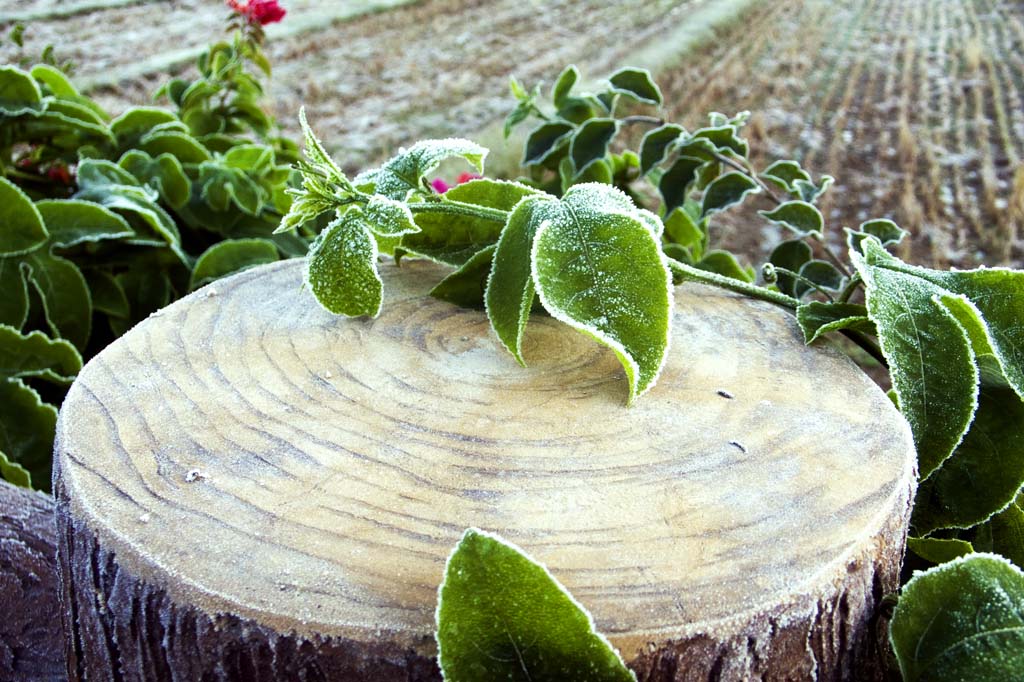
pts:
[466, 177]
[440, 186]
[60, 173]
[260, 12]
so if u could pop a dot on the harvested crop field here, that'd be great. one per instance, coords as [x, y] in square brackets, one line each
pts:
[915, 106]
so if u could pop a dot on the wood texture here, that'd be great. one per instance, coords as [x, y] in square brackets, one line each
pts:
[31, 637]
[250, 488]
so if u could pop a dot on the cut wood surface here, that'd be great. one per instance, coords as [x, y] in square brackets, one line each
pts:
[250, 488]
[31, 637]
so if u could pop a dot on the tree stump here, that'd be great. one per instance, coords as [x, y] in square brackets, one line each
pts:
[31, 638]
[250, 488]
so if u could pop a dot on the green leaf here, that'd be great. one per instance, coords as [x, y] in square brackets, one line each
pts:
[656, 145]
[314, 149]
[724, 263]
[388, 218]
[510, 290]
[545, 141]
[682, 229]
[725, 139]
[133, 124]
[600, 270]
[404, 173]
[64, 293]
[73, 222]
[13, 473]
[817, 318]
[785, 173]
[35, 355]
[963, 620]
[819, 272]
[107, 295]
[591, 141]
[23, 228]
[54, 79]
[566, 80]
[503, 616]
[466, 286]
[165, 174]
[799, 216]
[94, 174]
[931, 361]
[985, 472]
[341, 270]
[885, 231]
[222, 186]
[454, 239]
[27, 426]
[19, 94]
[229, 256]
[727, 191]
[939, 550]
[790, 255]
[677, 181]
[14, 301]
[810, 192]
[637, 84]
[180, 145]
[1004, 534]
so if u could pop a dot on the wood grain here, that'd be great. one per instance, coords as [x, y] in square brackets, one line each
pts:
[245, 477]
[31, 637]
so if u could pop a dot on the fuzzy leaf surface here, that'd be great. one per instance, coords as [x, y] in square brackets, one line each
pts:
[963, 620]
[404, 173]
[229, 256]
[35, 355]
[71, 222]
[23, 227]
[341, 269]
[726, 191]
[27, 426]
[503, 616]
[798, 216]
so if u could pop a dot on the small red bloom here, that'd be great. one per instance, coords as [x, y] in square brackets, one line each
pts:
[466, 177]
[260, 12]
[58, 172]
[439, 185]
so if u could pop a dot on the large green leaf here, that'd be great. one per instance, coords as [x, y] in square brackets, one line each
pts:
[64, 294]
[27, 426]
[231, 255]
[342, 268]
[404, 173]
[454, 239]
[73, 222]
[388, 218]
[466, 286]
[510, 289]
[19, 94]
[503, 616]
[600, 269]
[985, 472]
[35, 355]
[14, 299]
[931, 361]
[963, 620]
[657, 144]
[21, 227]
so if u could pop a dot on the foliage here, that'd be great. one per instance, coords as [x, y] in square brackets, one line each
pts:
[606, 213]
[107, 219]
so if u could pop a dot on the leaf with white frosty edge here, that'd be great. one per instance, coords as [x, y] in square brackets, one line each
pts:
[603, 273]
[502, 616]
[341, 269]
[963, 620]
[404, 173]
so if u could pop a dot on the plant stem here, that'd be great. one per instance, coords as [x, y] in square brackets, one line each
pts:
[739, 286]
[869, 346]
[459, 208]
[849, 289]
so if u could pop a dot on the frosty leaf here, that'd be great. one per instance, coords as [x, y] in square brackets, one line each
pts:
[985, 472]
[229, 256]
[341, 269]
[597, 171]
[1003, 534]
[404, 173]
[566, 80]
[724, 138]
[799, 216]
[164, 174]
[727, 191]
[19, 94]
[603, 273]
[885, 231]
[27, 426]
[929, 353]
[13, 473]
[591, 141]
[963, 620]
[510, 289]
[677, 181]
[817, 318]
[107, 295]
[939, 550]
[64, 294]
[501, 615]
[388, 218]
[23, 227]
[130, 126]
[55, 80]
[305, 208]
[72, 222]
[545, 141]
[810, 192]
[682, 229]
[656, 145]
[94, 174]
[789, 255]
[637, 84]
[819, 272]
[183, 146]
[314, 149]
[35, 355]
[454, 239]
[466, 286]
[724, 263]
[785, 173]
[14, 301]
